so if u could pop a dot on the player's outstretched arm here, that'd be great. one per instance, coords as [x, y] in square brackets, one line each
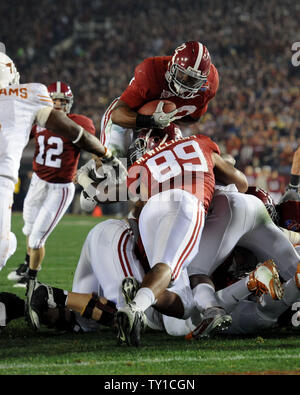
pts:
[226, 173]
[63, 125]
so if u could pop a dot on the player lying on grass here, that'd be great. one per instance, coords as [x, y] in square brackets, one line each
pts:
[114, 241]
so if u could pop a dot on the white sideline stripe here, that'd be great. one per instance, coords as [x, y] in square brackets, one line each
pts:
[163, 360]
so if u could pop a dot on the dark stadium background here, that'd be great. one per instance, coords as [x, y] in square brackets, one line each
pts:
[94, 46]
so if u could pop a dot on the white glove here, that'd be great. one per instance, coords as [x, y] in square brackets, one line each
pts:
[82, 175]
[162, 119]
[113, 169]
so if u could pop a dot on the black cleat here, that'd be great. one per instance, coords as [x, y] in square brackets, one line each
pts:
[130, 286]
[19, 273]
[131, 322]
[22, 282]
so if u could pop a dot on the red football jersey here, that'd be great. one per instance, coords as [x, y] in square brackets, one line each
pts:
[183, 164]
[56, 158]
[149, 83]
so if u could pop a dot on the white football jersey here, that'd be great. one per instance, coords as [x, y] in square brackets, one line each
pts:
[19, 105]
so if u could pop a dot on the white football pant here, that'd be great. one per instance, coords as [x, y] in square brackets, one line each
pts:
[170, 225]
[8, 241]
[44, 206]
[250, 316]
[115, 137]
[106, 258]
[240, 219]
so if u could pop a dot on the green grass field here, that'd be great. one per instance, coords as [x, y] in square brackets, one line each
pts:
[24, 352]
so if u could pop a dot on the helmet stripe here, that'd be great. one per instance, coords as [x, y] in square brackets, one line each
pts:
[58, 87]
[199, 57]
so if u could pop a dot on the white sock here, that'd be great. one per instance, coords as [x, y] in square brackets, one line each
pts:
[205, 296]
[144, 298]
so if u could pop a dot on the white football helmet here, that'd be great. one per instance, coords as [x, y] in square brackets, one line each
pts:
[8, 72]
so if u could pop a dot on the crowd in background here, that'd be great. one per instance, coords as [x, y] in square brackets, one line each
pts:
[95, 45]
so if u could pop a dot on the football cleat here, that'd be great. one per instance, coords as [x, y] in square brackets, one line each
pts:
[297, 276]
[214, 320]
[31, 315]
[265, 280]
[22, 282]
[130, 286]
[20, 272]
[40, 300]
[131, 322]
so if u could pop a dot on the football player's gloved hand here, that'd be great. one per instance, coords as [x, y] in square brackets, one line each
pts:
[112, 168]
[83, 175]
[162, 119]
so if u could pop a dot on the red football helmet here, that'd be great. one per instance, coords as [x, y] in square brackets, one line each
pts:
[267, 200]
[60, 90]
[148, 139]
[289, 215]
[188, 69]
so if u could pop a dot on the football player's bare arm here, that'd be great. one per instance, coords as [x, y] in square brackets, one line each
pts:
[169, 303]
[63, 125]
[226, 173]
[295, 171]
[123, 115]
[296, 163]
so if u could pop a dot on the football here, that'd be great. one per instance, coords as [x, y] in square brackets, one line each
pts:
[150, 107]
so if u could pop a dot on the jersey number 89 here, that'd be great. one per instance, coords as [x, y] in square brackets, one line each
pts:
[168, 164]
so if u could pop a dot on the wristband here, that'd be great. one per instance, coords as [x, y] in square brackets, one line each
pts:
[107, 155]
[79, 136]
[144, 121]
